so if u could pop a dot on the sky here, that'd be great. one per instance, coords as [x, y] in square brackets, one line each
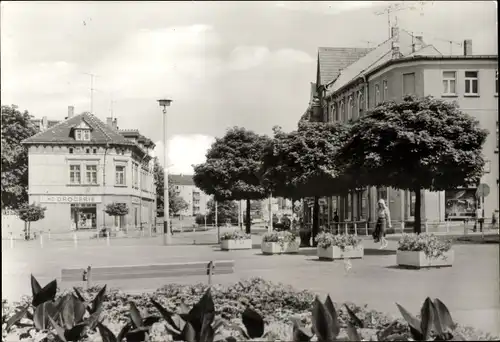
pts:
[223, 64]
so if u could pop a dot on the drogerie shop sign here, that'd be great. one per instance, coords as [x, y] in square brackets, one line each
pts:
[70, 199]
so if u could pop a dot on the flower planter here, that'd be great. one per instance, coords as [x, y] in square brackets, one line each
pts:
[278, 248]
[418, 259]
[334, 252]
[228, 245]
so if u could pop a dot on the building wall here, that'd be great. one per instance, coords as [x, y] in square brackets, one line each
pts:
[196, 199]
[49, 175]
[428, 81]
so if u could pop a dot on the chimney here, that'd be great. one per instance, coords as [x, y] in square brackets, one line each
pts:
[71, 112]
[395, 42]
[44, 123]
[468, 47]
[109, 122]
[417, 43]
[115, 124]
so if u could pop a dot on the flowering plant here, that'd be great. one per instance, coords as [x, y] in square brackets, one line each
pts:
[326, 239]
[430, 244]
[282, 236]
[235, 235]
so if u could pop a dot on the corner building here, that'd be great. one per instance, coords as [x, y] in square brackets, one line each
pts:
[401, 66]
[78, 166]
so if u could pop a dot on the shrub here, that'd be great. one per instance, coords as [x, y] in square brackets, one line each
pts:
[279, 237]
[235, 235]
[430, 244]
[325, 240]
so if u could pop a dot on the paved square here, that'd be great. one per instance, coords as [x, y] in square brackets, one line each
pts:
[470, 288]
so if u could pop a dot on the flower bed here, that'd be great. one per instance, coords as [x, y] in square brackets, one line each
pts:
[331, 247]
[280, 242]
[277, 304]
[424, 250]
[235, 240]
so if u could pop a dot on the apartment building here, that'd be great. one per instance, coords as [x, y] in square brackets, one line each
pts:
[78, 166]
[405, 65]
[196, 199]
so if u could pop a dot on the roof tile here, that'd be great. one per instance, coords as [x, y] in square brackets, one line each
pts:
[332, 60]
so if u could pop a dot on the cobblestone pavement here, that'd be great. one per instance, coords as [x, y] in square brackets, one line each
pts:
[470, 288]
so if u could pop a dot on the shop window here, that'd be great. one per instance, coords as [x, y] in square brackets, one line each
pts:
[83, 216]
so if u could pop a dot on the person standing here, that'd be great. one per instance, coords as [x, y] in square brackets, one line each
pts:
[383, 221]
[479, 219]
[336, 222]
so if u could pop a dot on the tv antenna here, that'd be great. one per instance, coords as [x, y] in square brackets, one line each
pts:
[451, 42]
[397, 7]
[368, 43]
[92, 76]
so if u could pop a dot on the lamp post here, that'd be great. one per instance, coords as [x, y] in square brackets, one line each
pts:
[167, 236]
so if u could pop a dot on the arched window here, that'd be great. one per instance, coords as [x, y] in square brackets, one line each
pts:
[377, 94]
[350, 104]
[332, 112]
[361, 104]
[341, 114]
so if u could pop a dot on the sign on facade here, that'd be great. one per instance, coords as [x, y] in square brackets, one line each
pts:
[483, 190]
[70, 199]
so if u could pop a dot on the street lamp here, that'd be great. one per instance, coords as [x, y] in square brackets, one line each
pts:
[167, 236]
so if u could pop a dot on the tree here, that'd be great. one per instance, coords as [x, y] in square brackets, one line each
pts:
[413, 145]
[116, 209]
[303, 164]
[176, 204]
[232, 168]
[227, 211]
[30, 213]
[16, 127]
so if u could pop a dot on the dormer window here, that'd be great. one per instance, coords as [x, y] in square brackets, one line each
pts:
[82, 132]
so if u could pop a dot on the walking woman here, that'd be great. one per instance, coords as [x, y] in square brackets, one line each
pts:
[383, 221]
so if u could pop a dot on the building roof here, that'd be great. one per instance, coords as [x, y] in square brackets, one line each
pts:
[378, 56]
[181, 179]
[61, 132]
[134, 133]
[331, 60]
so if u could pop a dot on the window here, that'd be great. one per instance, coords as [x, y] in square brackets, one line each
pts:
[332, 112]
[135, 175]
[341, 114]
[91, 174]
[350, 103]
[361, 105]
[87, 150]
[471, 83]
[384, 91]
[377, 94]
[409, 84]
[78, 134]
[336, 113]
[86, 135]
[120, 175]
[70, 150]
[74, 174]
[94, 151]
[496, 82]
[449, 82]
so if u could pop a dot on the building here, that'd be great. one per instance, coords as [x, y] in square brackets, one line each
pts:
[196, 199]
[403, 65]
[78, 166]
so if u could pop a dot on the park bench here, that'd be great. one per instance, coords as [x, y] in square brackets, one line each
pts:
[147, 271]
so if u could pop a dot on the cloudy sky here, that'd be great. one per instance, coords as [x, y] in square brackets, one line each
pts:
[223, 63]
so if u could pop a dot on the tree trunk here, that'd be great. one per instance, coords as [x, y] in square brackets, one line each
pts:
[29, 230]
[418, 219]
[315, 223]
[248, 222]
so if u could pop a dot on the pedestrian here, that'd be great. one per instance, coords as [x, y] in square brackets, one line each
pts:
[336, 220]
[479, 219]
[494, 219]
[383, 222]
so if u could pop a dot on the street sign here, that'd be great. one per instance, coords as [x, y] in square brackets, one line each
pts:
[483, 190]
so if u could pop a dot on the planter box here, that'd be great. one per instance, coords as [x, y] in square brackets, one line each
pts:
[276, 248]
[228, 245]
[334, 252]
[419, 259]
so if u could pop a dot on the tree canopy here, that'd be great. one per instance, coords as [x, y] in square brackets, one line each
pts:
[31, 213]
[303, 163]
[176, 204]
[116, 209]
[232, 168]
[16, 126]
[415, 144]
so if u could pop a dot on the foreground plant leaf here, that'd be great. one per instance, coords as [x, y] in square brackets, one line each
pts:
[98, 300]
[412, 321]
[444, 316]
[300, 333]
[16, 318]
[354, 318]
[427, 321]
[42, 314]
[322, 321]
[59, 329]
[41, 295]
[335, 321]
[253, 322]
[352, 333]
[135, 316]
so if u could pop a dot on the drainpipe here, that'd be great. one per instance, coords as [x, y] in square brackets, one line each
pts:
[140, 192]
[104, 188]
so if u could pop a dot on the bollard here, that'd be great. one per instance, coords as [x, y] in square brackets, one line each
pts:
[366, 228]
[41, 240]
[465, 227]
[345, 227]
[49, 234]
[425, 226]
[402, 227]
[210, 269]
[447, 226]
[107, 238]
[355, 228]
[11, 241]
[75, 240]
